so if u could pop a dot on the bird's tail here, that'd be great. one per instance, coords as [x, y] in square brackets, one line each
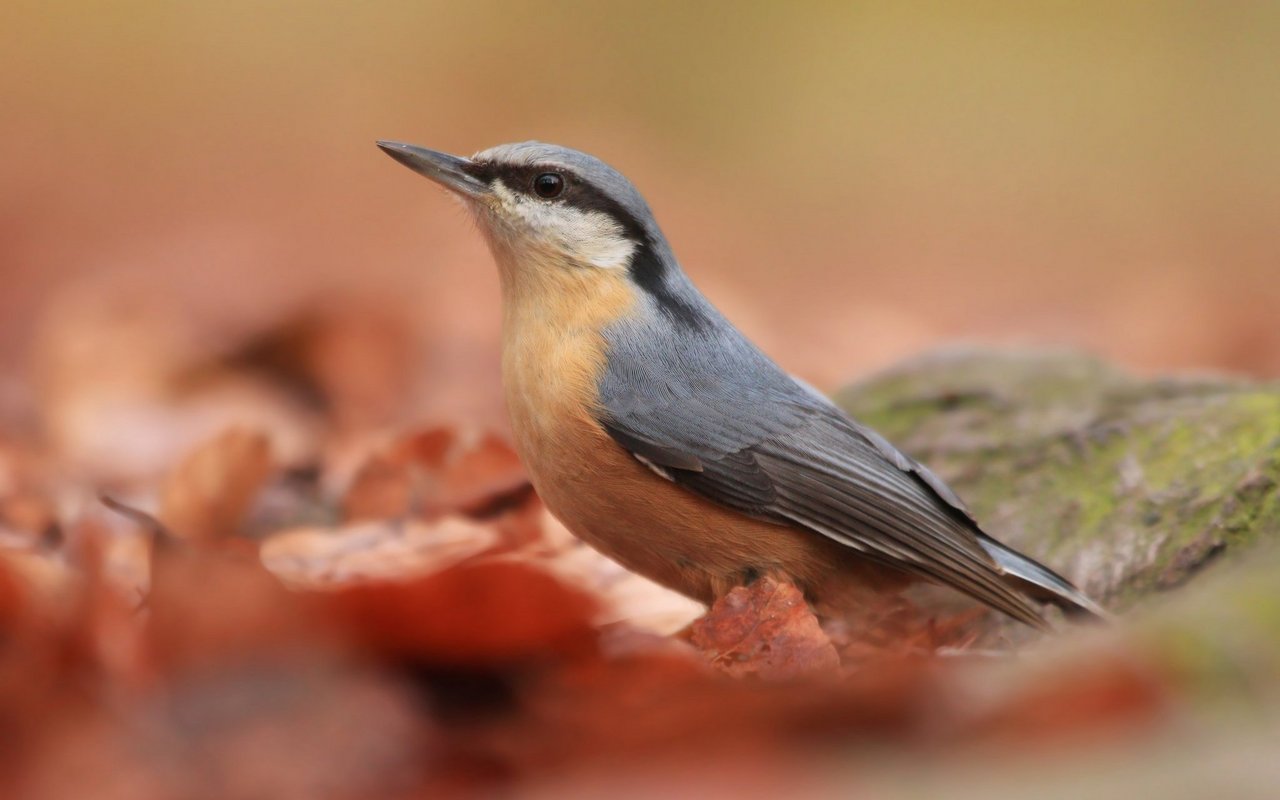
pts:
[1038, 581]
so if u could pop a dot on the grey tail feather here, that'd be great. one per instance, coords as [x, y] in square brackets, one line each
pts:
[1039, 582]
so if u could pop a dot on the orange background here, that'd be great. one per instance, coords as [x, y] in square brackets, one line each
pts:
[850, 184]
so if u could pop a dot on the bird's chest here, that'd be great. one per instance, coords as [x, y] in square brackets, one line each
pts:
[550, 377]
[589, 482]
[553, 355]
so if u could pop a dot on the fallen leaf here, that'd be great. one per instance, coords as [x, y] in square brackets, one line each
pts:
[374, 550]
[210, 492]
[484, 612]
[389, 483]
[383, 488]
[893, 628]
[436, 472]
[765, 629]
[479, 474]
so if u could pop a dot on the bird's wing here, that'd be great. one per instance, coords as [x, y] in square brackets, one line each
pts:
[754, 440]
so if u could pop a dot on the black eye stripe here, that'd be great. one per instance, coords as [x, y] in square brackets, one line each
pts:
[576, 192]
[521, 178]
[516, 178]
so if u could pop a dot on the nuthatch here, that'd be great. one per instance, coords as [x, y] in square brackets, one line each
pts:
[656, 432]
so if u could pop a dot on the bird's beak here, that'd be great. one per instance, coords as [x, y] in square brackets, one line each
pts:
[446, 170]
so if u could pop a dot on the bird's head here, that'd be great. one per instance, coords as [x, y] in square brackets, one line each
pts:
[555, 214]
[549, 206]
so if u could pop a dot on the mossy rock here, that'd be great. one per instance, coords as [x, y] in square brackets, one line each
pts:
[1127, 486]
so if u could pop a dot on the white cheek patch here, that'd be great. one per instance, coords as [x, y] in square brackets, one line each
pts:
[590, 238]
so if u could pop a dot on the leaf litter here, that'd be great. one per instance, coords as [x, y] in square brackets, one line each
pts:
[268, 616]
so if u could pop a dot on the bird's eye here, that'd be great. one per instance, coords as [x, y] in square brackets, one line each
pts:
[548, 185]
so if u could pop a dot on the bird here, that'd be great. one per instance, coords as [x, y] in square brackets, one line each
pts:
[660, 435]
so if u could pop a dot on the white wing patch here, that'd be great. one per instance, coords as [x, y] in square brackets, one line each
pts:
[659, 471]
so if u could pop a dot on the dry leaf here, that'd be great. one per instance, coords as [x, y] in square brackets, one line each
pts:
[209, 494]
[383, 488]
[435, 472]
[319, 557]
[479, 473]
[495, 611]
[894, 628]
[765, 629]
[391, 483]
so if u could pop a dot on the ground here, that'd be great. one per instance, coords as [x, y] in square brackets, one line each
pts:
[403, 619]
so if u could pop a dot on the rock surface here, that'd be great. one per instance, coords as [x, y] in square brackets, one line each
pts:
[1128, 486]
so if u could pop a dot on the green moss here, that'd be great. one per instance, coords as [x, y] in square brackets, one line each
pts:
[1131, 486]
[897, 419]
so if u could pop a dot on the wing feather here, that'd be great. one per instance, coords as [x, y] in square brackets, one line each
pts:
[776, 451]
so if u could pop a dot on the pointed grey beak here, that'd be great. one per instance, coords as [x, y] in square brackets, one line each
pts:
[446, 170]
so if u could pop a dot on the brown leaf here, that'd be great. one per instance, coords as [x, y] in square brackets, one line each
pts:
[894, 628]
[765, 629]
[383, 489]
[436, 472]
[479, 473]
[209, 494]
[493, 611]
[378, 549]
[391, 483]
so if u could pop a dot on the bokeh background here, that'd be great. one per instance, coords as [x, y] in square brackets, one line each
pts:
[223, 309]
[188, 185]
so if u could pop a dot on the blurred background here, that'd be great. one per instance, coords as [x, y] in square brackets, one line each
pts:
[220, 303]
[192, 198]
